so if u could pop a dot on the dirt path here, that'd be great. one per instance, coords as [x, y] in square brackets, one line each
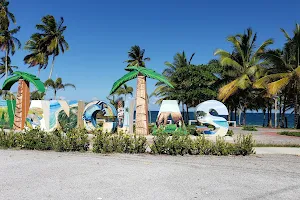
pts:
[50, 175]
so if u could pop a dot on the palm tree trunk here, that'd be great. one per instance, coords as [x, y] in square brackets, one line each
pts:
[52, 66]
[55, 94]
[283, 124]
[187, 112]
[235, 113]
[6, 64]
[280, 110]
[244, 116]
[296, 107]
[229, 114]
[264, 120]
[39, 71]
[141, 106]
[183, 111]
[22, 105]
[270, 116]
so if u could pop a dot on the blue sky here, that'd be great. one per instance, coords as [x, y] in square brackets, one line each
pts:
[101, 32]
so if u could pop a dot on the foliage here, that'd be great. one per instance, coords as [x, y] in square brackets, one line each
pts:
[118, 143]
[37, 56]
[37, 95]
[136, 57]
[72, 140]
[57, 85]
[230, 133]
[249, 128]
[35, 139]
[48, 41]
[181, 145]
[276, 145]
[245, 63]
[10, 139]
[244, 145]
[290, 133]
[5, 15]
[10, 68]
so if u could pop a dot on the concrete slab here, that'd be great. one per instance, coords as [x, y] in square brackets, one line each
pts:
[278, 150]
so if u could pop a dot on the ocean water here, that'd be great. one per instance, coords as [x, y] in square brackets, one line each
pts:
[251, 118]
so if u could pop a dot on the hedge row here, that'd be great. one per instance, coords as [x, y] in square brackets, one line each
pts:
[77, 140]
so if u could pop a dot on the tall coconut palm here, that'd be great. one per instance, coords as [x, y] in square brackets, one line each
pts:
[8, 43]
[5, 15]
[23, 95]
[140, 73]
[58, 85]
[124, 90]
[10, 68]
[136, 57]
[244, 66]
[53, 40]
[245, 60]
[37, 57]
[289, 74]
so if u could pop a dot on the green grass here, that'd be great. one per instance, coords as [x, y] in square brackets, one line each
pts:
[249, 128]
[276, 145]
[290, 133]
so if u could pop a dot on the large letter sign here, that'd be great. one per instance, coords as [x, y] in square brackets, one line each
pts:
[207, 114]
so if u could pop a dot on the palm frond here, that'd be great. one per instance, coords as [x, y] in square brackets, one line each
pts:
[275, 87]
[127, 77]
[154, 75]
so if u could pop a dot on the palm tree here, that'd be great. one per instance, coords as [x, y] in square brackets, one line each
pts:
[244, 65]
[9, 67]
[140, 73]
[245, 61]
[5, 15]
[37, 57]
[23, 95]
[8, 44]
[163, 91]
[37, 95]
[57, 85]
[53, 40]
[287, 75]
[136, 57]
[125, 90]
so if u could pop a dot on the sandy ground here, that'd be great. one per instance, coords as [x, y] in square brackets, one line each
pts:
[50, 175]
[269, 135]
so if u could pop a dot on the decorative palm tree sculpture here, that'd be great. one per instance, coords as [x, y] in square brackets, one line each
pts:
[23, 96]
[141, 93]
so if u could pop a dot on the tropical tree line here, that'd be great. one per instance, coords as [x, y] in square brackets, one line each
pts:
[46, 43]
[251, 76]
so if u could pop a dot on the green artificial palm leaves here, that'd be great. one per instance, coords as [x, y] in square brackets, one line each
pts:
[27, 77]
[134, 72]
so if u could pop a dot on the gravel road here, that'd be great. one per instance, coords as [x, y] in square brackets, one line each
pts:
[50, 175]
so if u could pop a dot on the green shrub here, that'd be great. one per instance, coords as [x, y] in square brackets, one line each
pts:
[201, 146]
[290, 133]
[249, 128]
[230, 133]
[73, 140]
[35, 139]
[118, 143]
[10, 139]
[159, 145]
[244, 145]
[191, 129]
[181, 145]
